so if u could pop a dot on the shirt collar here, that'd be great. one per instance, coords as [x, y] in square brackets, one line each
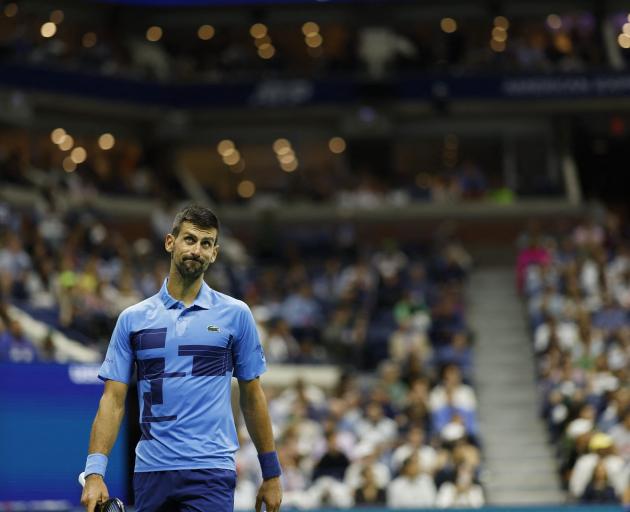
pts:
[203, 299]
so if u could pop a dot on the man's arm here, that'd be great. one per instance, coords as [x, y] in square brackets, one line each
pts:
[254, 407]
[105, 428]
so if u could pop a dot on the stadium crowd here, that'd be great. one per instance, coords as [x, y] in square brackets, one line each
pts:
[577, 286]
[402, 435]
[565, 42]
[134, 169]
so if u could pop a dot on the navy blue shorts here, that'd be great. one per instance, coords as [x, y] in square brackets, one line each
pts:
[186, 490]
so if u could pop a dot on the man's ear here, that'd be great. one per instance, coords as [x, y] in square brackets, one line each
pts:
[215, 252]
[169, 241]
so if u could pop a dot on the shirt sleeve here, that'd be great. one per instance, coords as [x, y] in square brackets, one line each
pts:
[247, 352]
[119, 360]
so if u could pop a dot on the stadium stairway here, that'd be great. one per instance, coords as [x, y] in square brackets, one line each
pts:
[519, 464]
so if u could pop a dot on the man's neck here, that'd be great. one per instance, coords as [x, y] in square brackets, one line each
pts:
[181, 290]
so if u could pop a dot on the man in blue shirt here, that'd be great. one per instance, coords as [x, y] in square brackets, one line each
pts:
[187, 342]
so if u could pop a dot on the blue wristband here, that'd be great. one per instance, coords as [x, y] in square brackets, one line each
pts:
[270, 465]
[96, 464]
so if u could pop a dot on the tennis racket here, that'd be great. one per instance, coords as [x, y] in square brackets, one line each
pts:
[111, 505]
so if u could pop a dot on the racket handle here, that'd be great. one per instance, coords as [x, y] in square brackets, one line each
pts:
[82, 478]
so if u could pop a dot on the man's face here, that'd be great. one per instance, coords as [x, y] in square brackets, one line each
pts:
[193, 250]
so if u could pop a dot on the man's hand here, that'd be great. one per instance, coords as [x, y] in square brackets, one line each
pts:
[94, 492]
[270, 493]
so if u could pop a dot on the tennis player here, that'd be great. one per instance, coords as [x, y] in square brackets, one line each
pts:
[187, 342]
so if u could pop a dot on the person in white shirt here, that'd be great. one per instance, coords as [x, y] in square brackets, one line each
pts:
[413, 488]
[415, 444]
[602, 449]
[463, 493]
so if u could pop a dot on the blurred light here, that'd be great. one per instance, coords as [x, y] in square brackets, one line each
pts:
[225, 147]
[66, 143]
[502, 22]
[232, 158]
[310, 28]
[10, 10]
[497, 46]
[68, 164]
[57, 135]
[498, 34]
[266, 51]
[205, 32]
[286, 159]
[56, 16]
[281, 145]
[448, 25]
[337, 145]
[314, 41]
[48, 29]
[290, 167]
[154, 33]
[624, 41]
[106, 141]
[554, 22]
[246, 189]
[628, 17]
[262, 41]
[89, 40]
[78, 155]
[626, 29]
[258, 30]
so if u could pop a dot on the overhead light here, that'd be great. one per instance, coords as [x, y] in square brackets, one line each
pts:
[448, 25]
[66, 143]
[310, 28]
[554, 22]
[246, 189]
[232, 158]
[226, 147]
[502, 22]
[205, 32]
[48, 29]
[10, 10]
[499, 34]
[314, 41]
[258, 30]
[78, 155]
[260, 42]
[56, 16]
[106, 141]
[281, 145]
[57, 135]
[337, 145]
[68, 164]
[238, 167]
[154, 33]
[624, 41]
[290, 167]
[266, 51]
[287, 159]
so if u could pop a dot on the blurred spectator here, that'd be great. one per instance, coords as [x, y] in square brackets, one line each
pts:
[461, 493]
[369, 493]
[599, 489]
[334, 462]
[14, 346]
[413, 488]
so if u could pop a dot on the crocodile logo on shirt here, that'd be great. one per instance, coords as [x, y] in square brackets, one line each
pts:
[213, 328]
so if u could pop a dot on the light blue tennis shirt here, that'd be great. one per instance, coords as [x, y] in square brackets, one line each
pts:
[185, 358]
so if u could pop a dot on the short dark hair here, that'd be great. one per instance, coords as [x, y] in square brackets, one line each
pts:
[197, 215]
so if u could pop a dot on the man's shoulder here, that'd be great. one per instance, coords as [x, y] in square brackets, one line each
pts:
[225, 300]
[147, 308]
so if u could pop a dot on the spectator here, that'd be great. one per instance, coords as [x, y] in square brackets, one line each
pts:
[413, 488]
[462, 493]
[599, 490]
[369, 493]
[334, 462]
[15, 347]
